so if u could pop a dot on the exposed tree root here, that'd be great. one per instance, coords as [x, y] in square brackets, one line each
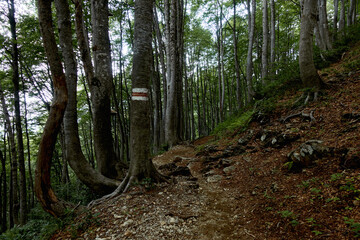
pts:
[126, 184]
[306, 97]
[309, 116]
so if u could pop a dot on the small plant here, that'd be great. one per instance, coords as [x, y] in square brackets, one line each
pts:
[354, 226]
[336, 177]
[317, 233]
[315, 190]
[290, 216]
[334, 199]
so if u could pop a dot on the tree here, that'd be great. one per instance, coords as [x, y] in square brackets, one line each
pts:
[342, 18]
[249, 61]
[19, 135]
[43, 190]
[173, 114]
[308, 73]
[272, 36]
[141, 165]
[101, 89]
[74, 155]
[264, 57]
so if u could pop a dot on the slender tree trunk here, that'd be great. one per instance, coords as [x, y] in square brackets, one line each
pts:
[336, 12]
[19, 135]
[249, 62]
[236, 61]
[44, 192]
[308, 73]
[272, 36]
[3, 198]
[323, 25]
[342, 18]
[264, 56]
[14, 199]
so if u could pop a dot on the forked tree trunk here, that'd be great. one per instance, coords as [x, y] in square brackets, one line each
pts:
[83, 170]
[43, 190]
[308, 73]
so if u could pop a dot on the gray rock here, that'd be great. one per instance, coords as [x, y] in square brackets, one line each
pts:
[229, 169]
[214, 179]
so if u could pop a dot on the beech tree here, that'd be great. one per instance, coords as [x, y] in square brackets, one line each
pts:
[74, 154]
[141, 165]
[249, 61]
[308, 73]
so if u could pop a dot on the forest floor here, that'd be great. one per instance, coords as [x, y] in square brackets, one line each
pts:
[239, 186]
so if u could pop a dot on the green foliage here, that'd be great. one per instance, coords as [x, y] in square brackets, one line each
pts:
[41, 226]
[292, 217]
[240, 121]
[336, 177]
[354, 226]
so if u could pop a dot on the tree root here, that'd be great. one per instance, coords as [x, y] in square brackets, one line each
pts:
[125, 185]
[300, 114]
[307, 98]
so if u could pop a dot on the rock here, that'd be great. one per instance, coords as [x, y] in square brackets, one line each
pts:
[168, 167]
[207, 150]
[181, 171]
[173, 220]
[351, 160]
[214, 179]
[306, 154]
[225, 162]
[127, 223]
[234, 150]
[246, 138]
[229, 169]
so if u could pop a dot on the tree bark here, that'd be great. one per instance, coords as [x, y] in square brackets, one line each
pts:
[264, 56]
[249, 61]
[101, 86]
[3, 198]
[272, 36]
[43, 190]
[75, 157]
[236, 61]
[19, 134]
[14, 200]
[336, 12]
[308, 73]
[342, 18]
[323, 26]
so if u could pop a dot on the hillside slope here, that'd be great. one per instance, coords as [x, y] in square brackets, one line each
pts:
[244, 185]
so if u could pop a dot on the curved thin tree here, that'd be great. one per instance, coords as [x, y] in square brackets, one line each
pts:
[43, 190]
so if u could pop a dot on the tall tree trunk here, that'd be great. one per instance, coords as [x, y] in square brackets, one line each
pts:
[272, 36]
[3, 198]
[141, 165]
[323, 25]
[249, 61]
[308, 73]
[236, 61]
[14, 199]
[264, 56]
[336, 12]
[101, 86]
[173, 116]
[19, 134]
[43, 189]
[342, 18]
[89, 176]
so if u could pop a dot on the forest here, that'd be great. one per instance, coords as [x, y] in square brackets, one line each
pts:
[92, 91]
